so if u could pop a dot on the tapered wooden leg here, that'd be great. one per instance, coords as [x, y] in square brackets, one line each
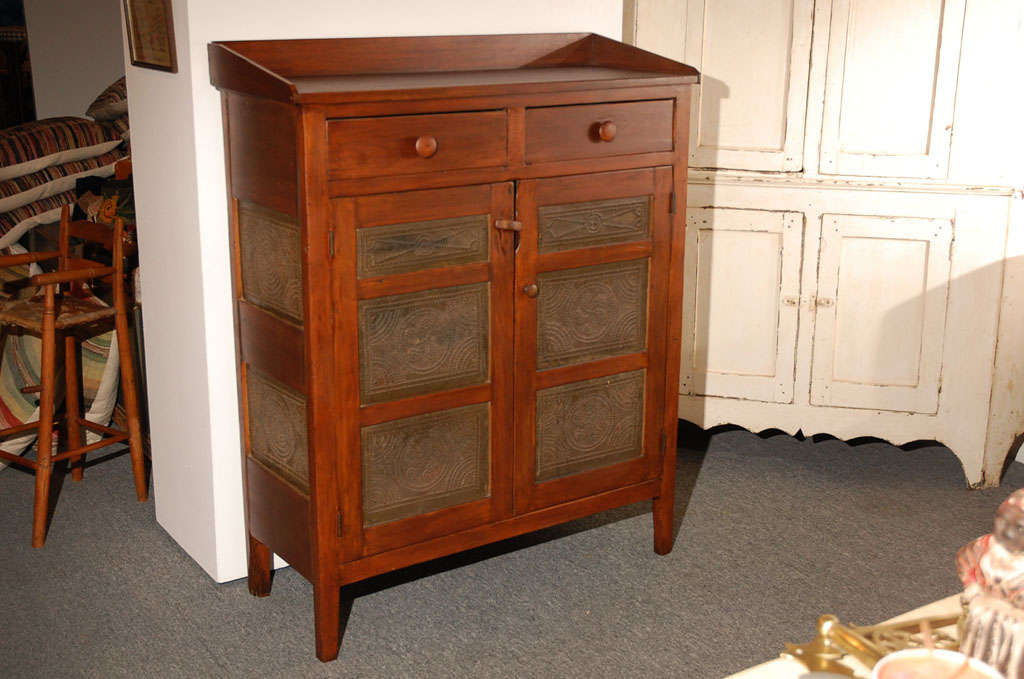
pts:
[131, 402]
[45, 443]
[72, 404]
[664, 507]
[42, 502]
[327, 611]
[260, 564]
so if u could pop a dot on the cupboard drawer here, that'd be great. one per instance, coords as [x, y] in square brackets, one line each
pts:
[595, 130]
[369, 147]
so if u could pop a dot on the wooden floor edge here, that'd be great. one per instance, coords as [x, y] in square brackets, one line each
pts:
[385, 562]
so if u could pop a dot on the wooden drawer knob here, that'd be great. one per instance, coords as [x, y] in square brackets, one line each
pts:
[606, 131]
[531, 290]
[426, 146]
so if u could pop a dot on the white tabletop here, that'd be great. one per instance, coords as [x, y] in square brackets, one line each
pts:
[786, 668]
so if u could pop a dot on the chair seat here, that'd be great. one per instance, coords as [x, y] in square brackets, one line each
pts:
[71, 311]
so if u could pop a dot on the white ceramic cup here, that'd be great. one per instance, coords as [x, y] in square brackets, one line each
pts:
[955, 657]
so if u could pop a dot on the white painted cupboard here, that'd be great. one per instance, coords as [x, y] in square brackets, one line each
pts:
[854, 260]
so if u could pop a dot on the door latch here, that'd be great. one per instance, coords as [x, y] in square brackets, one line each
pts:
[508, 225]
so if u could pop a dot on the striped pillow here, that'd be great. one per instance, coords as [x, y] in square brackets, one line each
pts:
[31, 147]
[55, 179]
[112, 102]
[15, 223]
[119, 125]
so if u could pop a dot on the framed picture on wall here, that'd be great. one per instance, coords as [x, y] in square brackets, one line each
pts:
[151, 34]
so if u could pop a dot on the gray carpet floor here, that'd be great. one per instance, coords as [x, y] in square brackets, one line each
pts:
[772, 532]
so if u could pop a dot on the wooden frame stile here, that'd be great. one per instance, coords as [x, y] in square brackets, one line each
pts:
[324, 490]
[664, 504]
[346, 389]
[503, 247]
[661, 250]
[526, 346]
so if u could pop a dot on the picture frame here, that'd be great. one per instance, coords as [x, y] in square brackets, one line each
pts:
[151, 34]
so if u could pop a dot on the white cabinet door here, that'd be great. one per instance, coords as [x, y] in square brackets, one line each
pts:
[751, 105]
[890, 83]
[741, 303]
[881, 312]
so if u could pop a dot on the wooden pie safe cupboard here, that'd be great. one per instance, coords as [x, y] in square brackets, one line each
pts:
[458, 272]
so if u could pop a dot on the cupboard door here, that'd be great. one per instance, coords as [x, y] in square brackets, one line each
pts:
[890, 84]
[591, 281]
[741, 303]
[424, 294]
[750, 108]
[881, 312]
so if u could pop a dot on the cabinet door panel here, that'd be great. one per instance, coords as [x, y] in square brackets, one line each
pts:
[890, 84]
[741, 305]
[423, 342]
[590, 345]
[402, 248]
[591, 312]
[589, 424]
[881, 312]
[419, 464]
[430, 330]
[593, 223]
[750, 109]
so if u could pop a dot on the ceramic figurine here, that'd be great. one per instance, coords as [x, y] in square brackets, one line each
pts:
[992, 571]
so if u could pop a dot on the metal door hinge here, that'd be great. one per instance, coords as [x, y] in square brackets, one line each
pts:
[672, 203]
[664, 440]
[339, 525]
[330, 242]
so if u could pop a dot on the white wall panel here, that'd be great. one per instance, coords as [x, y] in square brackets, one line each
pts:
[75, 49]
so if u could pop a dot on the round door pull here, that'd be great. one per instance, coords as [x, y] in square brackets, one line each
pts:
[426, 146]
[606, 131]
[531, 290]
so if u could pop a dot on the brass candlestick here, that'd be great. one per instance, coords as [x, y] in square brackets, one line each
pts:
[867, 644]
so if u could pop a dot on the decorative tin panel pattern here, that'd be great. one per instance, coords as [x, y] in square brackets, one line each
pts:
[277, 428]
[414, 246]
[600, 222]
[419, 464]
[423, 342]
[590, 424]
[271, 257]
[591, 312]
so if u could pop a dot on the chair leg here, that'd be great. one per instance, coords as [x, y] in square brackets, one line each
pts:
[72, 403]
[131, 403]
[45, 443]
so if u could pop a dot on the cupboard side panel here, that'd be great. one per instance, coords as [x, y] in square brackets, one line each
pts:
[263, 161]
[267, 279]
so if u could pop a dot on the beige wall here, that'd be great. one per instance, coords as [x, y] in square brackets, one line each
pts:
[75, 49]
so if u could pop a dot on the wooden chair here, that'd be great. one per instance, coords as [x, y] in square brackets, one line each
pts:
[64, 306]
